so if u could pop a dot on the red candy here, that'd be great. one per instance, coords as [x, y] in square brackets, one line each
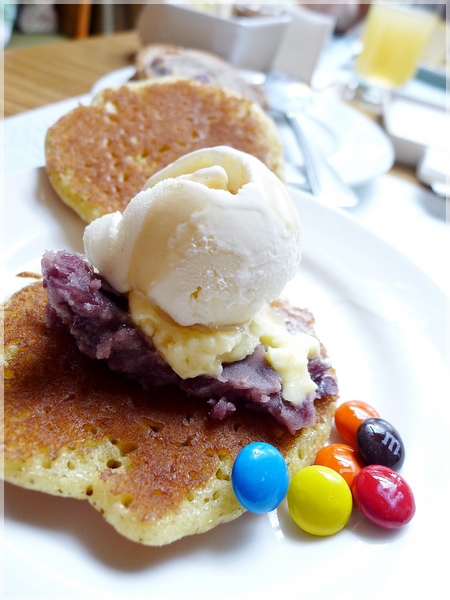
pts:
[341, 458]
[349, 416]
[383, 497]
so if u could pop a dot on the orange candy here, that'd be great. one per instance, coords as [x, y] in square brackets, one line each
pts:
[349, 416]
[341, 458]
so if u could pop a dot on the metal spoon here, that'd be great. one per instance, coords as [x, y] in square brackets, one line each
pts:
[289, 99]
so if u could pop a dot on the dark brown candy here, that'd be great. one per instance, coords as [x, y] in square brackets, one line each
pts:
[379, 443]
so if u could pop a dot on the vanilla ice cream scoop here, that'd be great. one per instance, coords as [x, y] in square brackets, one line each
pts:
[210, 239]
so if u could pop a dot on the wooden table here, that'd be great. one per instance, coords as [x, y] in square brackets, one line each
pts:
[39, 75]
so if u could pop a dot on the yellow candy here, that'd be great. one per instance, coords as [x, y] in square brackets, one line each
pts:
[319, 500]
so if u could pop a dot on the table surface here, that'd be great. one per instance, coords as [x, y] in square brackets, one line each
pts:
[40, 75]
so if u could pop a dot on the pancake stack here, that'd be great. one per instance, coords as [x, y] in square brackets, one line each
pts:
[152, 462]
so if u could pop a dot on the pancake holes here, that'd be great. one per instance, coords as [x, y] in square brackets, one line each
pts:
[301, 454]
[153, 425]
[158, 492]
[193, 474]
[111, 108]
[222, 475]
[187, 442]
[216, 495]
[164, 148]
[126, 500]
[89, 428]
[195, 135]
[141, 157]
[126, 447]
[89, 490]
[70, 465]
[209, 452]
[196, 292]
[113, 464]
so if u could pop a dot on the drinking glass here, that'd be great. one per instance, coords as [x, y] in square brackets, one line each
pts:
[394, 38]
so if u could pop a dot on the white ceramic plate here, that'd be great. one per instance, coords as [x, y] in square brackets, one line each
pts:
[357, 147]
[381, 319]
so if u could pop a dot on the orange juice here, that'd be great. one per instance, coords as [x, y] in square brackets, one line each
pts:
[393, 41]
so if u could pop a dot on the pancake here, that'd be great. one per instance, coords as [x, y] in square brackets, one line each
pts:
[98, 157]
[162, 60]
[151, 462]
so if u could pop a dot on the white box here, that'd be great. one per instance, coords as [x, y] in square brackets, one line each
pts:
[246, 42]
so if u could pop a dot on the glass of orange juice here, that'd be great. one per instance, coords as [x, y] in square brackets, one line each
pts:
[394, 38]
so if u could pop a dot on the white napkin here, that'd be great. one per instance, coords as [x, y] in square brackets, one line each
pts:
[302, 44]
[434, 170]
[415, 123]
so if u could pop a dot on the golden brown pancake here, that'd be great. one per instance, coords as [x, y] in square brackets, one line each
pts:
[98, 157]
[153, 463]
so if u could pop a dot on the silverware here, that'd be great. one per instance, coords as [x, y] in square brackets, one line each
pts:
[289, 100]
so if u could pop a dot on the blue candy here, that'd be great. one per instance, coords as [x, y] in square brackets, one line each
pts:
[260, 477]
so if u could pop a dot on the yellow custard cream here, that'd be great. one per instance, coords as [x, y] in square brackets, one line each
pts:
[201, 251]
[192, 350]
